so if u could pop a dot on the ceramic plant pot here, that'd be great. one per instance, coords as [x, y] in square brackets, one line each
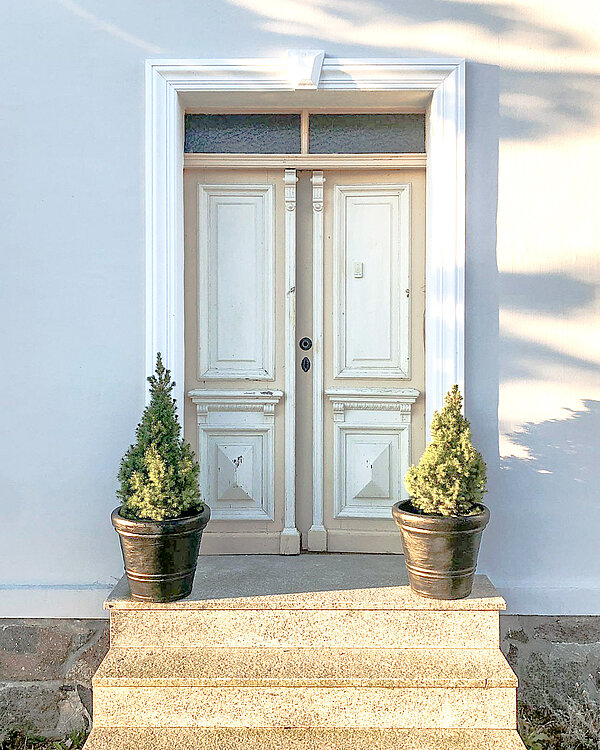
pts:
[440, 551]
[160, 556]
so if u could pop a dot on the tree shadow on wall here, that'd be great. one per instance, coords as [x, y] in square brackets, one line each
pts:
[548, 503]
[552, 87]
[564, 455]
[548, 89]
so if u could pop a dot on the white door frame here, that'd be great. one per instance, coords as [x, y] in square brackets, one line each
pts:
[446, 183]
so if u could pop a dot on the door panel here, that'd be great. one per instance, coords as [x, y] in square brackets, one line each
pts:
[238, 239]
[371, 281]
[235, 289]
[373, 353]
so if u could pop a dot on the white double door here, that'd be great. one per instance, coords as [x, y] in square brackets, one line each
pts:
[304, 296]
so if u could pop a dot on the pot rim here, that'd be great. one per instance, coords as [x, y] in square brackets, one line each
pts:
[180, 525]
[405, 517]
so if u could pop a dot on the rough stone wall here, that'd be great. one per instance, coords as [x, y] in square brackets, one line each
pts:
[46, 669]
[557, 661]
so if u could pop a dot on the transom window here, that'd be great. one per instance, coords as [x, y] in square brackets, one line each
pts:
[312, 133]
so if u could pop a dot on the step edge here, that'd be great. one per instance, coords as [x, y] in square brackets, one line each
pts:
[298, 684]
[111, 673]
[96, 730]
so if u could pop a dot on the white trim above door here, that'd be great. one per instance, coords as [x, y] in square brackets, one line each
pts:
[168, 80]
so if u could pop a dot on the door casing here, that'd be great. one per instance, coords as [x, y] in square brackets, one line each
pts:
[172, 85]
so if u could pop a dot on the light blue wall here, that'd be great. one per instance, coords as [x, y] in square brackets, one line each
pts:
[72, 274]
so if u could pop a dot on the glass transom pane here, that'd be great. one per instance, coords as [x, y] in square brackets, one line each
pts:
[242, 134]
[366, 134]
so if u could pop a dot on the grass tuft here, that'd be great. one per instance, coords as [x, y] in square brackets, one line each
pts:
[22, 741]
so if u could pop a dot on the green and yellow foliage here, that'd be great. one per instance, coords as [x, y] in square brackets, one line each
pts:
[450, 479]
[159, 474]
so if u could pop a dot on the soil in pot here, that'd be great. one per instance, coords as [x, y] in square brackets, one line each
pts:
[440, 551]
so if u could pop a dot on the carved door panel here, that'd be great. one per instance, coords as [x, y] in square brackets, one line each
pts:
[240, 258]
[372, 262]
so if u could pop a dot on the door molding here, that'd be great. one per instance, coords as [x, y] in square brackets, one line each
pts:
[400, 238]
[305, 161]
[290, 536]
[317, 534]
[444, 79]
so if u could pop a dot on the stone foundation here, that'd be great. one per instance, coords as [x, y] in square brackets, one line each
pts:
[46, 667]
[557, 659]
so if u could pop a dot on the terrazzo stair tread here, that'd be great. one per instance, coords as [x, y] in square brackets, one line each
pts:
[186, 628]
[328, 581]
[305, 667]
[186, 738]
[328, 707]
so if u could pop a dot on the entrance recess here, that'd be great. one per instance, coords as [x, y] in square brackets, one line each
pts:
[305, 361]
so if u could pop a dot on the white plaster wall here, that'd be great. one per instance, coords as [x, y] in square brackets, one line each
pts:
[72, 274]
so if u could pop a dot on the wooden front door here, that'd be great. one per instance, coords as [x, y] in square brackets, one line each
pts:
[304, 296]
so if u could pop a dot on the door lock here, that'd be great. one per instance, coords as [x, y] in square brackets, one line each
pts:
[305, 344]
[305, 364]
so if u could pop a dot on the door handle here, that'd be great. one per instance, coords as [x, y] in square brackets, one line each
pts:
[305, 364]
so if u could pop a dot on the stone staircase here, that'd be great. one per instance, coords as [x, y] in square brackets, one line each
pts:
[307, 652]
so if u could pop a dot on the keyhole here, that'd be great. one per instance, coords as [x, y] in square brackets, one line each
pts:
[305, 364]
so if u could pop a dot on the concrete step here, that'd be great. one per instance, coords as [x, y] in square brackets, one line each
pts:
[352, 688]
[306, 582]
[306, 600]
[153, 738]
[304, 667]
[193, 628]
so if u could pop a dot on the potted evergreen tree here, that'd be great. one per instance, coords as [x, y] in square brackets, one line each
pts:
[442, 522]
[162, 516]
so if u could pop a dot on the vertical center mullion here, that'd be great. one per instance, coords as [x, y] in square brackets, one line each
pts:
[304, 132]
[317, 535]
[290, 538]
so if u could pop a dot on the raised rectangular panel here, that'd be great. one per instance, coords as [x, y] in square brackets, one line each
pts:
[371, 319]
[371, 458]
[371, 449]
[370, 462]
[237, 460]
[236, 281]
[238, 482]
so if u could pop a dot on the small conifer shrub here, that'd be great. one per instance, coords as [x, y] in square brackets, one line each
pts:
[158, 475]
[450, 479]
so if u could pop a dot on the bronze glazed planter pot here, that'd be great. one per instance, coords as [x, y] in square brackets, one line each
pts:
[160, 556]
[440, 551]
